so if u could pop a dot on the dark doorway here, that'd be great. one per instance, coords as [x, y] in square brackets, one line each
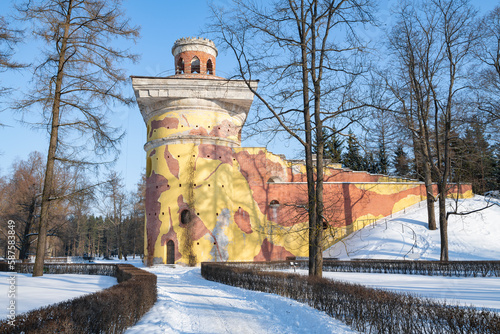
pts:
[170, 252]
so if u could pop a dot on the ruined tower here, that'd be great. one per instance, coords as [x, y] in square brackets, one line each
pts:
[193, 119]
[209, 199]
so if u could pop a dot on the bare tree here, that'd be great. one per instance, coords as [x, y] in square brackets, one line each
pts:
[309, 53]
[75, 83]
[8, 38]
[21, 201]
[135, 227]
[113, 206]
[487, 81]
[431, 44]
[415, 64]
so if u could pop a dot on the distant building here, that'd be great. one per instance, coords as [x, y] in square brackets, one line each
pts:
[209, 199]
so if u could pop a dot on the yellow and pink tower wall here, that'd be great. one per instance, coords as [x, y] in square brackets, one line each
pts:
[209, 199]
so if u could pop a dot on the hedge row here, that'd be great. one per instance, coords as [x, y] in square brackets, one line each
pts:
[364, 309]
[431, 268]
[108, 311]
[65, 268]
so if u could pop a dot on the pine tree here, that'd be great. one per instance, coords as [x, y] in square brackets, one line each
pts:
[401, 162]
[382, 159]
[332, 147]
[352, 158]
[370, 164]
[474, 160]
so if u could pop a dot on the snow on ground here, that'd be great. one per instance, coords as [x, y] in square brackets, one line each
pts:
[35, 292]
[405, 235]
[189, 304]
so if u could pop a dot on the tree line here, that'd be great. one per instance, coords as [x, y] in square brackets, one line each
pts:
[95, 220]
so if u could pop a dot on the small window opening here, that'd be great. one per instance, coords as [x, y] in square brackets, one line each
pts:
[185, 217]
[195, 65]
[274, 203]
[325, 225]
[210, 67]
[179, 69]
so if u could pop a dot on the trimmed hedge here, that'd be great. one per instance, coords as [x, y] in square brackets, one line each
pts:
[108, 311]
[65, 268]
[364, 309]
[430, 268]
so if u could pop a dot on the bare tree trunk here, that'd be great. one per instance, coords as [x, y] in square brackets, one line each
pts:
[25, 241]
[431, 213]
[51, 155]
[317, 227]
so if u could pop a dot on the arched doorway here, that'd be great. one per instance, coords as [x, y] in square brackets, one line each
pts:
[170, 252]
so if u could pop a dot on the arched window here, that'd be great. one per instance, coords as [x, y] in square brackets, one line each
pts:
[210, 67]
[195, 65]
[274, 203]
[185, 217]
[179, 69]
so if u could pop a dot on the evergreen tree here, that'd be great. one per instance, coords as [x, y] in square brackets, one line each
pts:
[474, 160]
[382, 159]
[496, 169]
[401, 162]
[332, 146]
[352, 158]
[370, 164]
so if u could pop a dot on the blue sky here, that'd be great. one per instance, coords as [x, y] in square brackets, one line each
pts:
[162, 22]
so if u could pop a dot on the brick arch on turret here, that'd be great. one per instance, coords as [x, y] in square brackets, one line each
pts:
[179, 66]
[204, 58]
[210, 67]
[195, 65]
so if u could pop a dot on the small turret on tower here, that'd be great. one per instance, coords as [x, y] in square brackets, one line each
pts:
[194, 56]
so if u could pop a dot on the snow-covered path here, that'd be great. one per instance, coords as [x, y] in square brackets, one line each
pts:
[189, 304]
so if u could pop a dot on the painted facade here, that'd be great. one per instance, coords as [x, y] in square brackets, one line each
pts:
[209, 199]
